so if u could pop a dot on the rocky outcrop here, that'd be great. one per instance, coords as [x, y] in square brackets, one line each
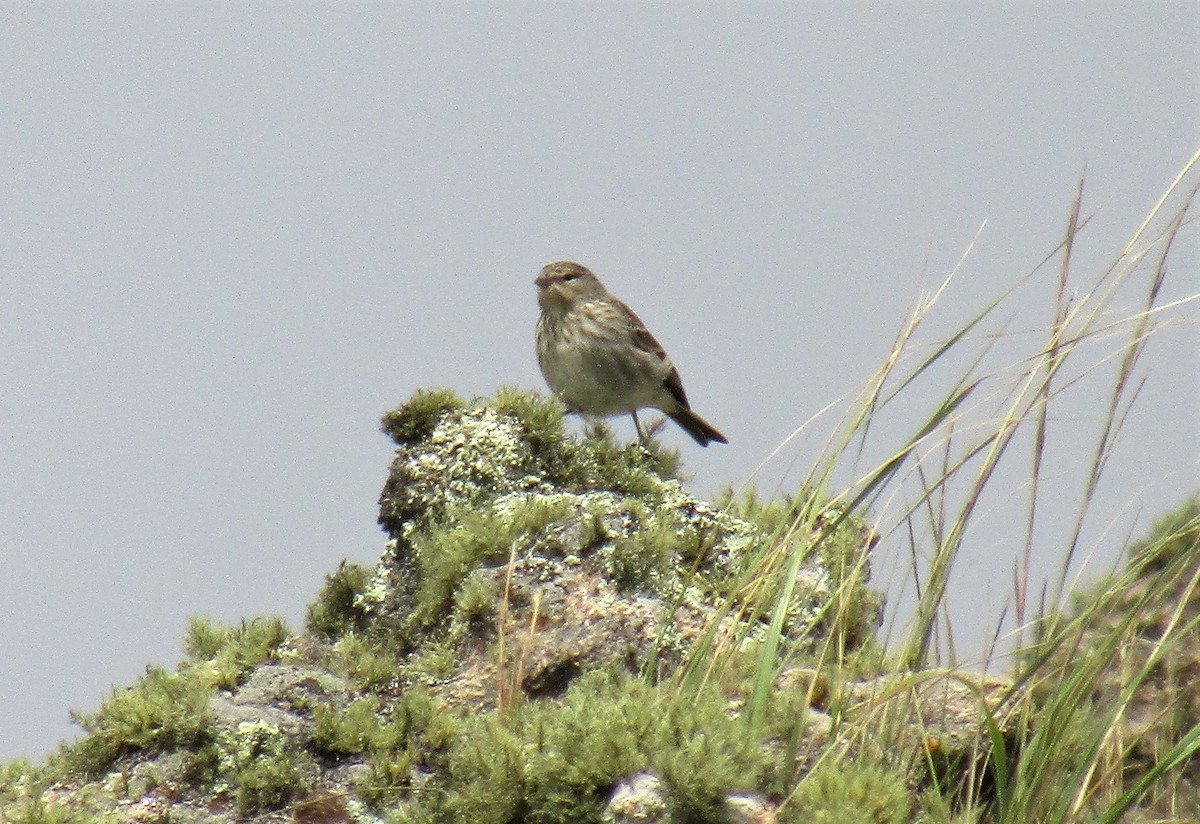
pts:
[557, 630]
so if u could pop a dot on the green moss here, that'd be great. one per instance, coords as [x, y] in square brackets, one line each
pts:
[228, 654]
[603, 732]
[36, 810]
[475, 601]
[389, 778]
[704, 754]
[416, 419]
[414, 813]
[854, 608]
[261, 766]
[487, 537]
[348, 731]
[359, 728]
[338, 608]
[596, 462]
[429, 724]
[557, 763]
[161, 710]
[15, 780]
[418, 733]
[772, 516]
[599, 462]
[201, 767]
[937, 810]
[642, 561]
[21, 801]
[487, 772]
[268, 783]
[541, 418]
[832, 604]
[204, 640]
[850, 794]
[786, 722]
[435, 662]
[416, 730]
[367, 662]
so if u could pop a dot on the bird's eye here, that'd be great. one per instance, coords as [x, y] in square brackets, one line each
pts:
[570, 275]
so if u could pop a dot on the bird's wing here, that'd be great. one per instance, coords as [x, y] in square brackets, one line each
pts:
[643, 339]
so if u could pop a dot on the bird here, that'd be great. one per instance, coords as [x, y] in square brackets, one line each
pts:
[600, 359]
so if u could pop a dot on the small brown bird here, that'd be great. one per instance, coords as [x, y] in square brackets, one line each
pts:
[599, 357]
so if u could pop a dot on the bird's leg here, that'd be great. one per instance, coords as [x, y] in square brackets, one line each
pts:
[638, 426]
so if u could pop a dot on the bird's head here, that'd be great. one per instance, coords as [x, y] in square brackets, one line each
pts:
[564, 283]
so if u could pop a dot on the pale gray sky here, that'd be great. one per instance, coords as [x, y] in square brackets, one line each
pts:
[231, 238]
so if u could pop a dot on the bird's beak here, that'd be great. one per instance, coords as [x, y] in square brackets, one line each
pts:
[540, 281]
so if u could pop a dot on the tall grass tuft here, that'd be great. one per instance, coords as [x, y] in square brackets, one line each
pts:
[1067, 765]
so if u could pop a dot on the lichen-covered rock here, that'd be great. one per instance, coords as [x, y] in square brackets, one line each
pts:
[282, 696]
[639, 799]
[749, 809]
[576, 554]
[645, 799]
[513, 656]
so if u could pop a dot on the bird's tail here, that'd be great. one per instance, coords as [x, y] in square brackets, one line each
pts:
[702, 431]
